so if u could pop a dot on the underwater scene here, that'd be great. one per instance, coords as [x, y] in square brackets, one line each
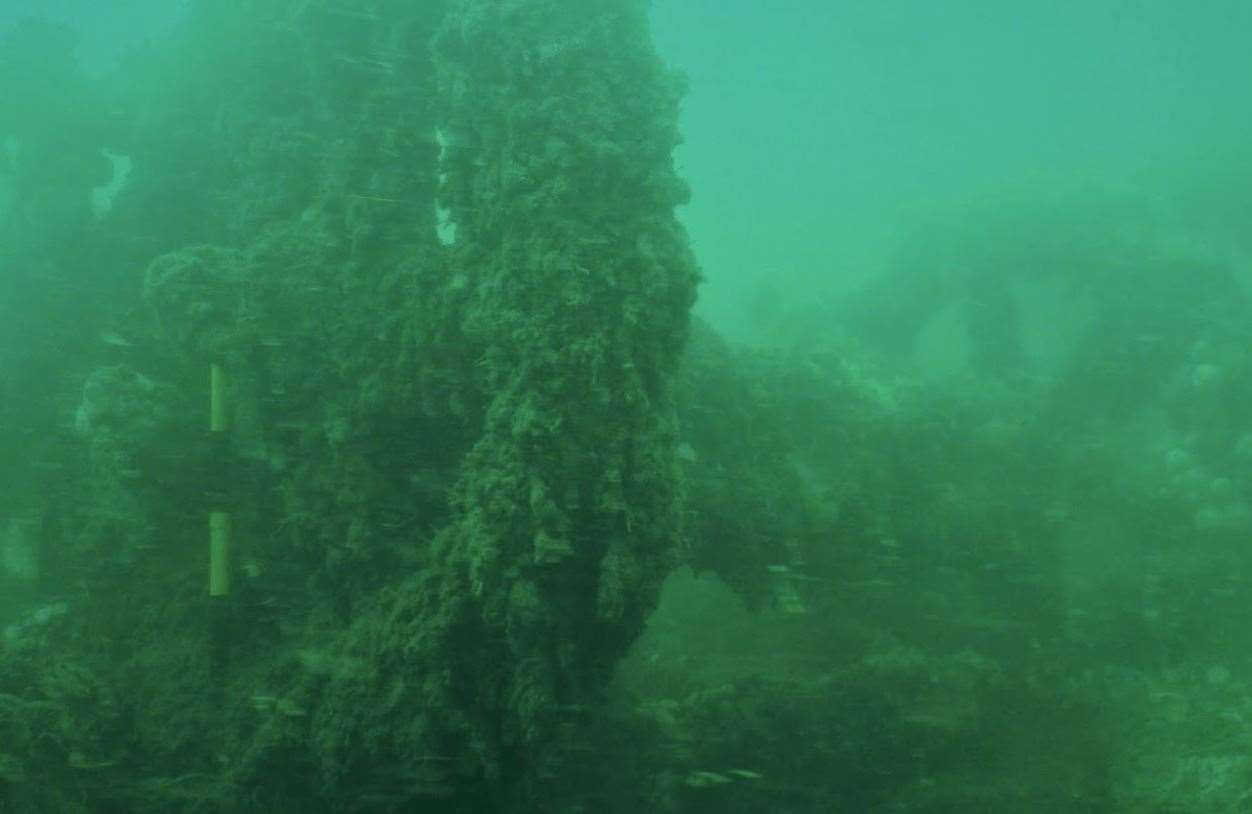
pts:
[625, 407]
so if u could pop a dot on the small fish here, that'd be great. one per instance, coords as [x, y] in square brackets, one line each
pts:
[114, 339]
[746, 774]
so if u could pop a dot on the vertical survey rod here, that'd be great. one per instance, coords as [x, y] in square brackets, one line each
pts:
[219, 527]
